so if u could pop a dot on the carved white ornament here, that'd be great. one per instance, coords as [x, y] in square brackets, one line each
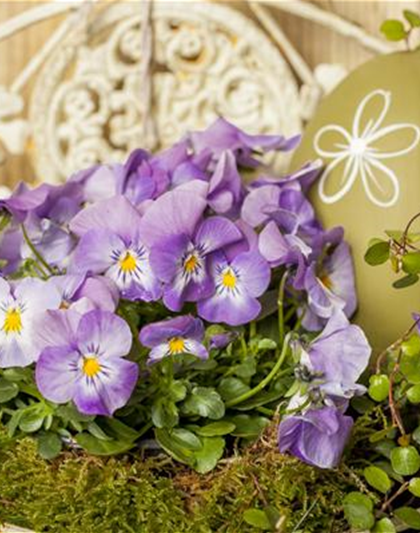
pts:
[209, 60]
[361, 157]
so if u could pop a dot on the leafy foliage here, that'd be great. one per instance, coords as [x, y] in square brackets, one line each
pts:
[397, 30]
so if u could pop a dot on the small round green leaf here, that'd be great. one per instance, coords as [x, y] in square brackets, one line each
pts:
[377, 478]
[258, 519]
[394, 30]
[378, 253]
[405, 460]
[414, 486]
[411, 346]
[413, 394]
[384, 525]
[358, 511]
[410, 367]
[409, 516]
[411, 263]
[379, 387]
[49, 445]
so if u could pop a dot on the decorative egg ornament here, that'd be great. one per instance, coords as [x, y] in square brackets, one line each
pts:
[367, 132]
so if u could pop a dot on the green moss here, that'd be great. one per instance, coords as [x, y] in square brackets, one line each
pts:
[80, 494]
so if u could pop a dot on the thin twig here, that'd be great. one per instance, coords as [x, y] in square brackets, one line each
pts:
[388, 502]
[395, 345]
[396, 417]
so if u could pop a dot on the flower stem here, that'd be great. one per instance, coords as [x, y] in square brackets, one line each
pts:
[38, 256]
[280, 304]
[262, 384]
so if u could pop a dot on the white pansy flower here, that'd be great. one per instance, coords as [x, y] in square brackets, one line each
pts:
[359, 153]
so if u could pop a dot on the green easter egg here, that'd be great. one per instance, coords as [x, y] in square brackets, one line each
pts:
[367, 132]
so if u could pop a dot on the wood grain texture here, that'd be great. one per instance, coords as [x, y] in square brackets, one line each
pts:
[316, 44]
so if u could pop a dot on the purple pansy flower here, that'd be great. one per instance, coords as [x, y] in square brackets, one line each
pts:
[226, 190]
[183, 334]
[22, 305]
[238, 285]
[181, 244]
[329, 288]
[317, 437]
[101, 292]
[83, 361]
[337, 358]
[111, 244]
[223, 135]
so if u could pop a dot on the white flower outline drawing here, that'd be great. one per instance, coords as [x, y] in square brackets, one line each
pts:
[363, 158]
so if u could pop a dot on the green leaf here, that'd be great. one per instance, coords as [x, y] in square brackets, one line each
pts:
[49, 445]
[177, 391]
[416, 435]
[8, 390]
[249, 426]
[164, 413]
[411, 346]
[410, 367]
[247, 368]
[377, 478]
[167, 443]
[102, 447]
[207, 458]
[230, 388]
[13, 423]
[18, 374]
[378, 253]
[405, 460]
[412, 18]
[258, 519]
[406, 281]
[186, 439]
[97, 432]
[379, 387]
[215, 429]
[118, 429]
[414, 486]
[384, 526]
[409, 516]
[204, 402]
[413, 394]
[393, 30]
[358, 511]
[266, 344]
[411, 263]
[31, 420]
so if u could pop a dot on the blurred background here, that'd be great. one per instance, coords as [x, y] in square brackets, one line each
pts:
[83, 82]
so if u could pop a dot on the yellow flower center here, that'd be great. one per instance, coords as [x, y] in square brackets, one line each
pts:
[327, 281]
[229, 279]
[191, 263]
[128, 262]
[91, 366]
[176, 345]
[13, 321]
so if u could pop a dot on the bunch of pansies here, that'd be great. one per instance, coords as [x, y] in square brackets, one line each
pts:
[165, 303]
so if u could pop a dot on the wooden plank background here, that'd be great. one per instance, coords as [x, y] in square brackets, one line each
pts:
[316, 44]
